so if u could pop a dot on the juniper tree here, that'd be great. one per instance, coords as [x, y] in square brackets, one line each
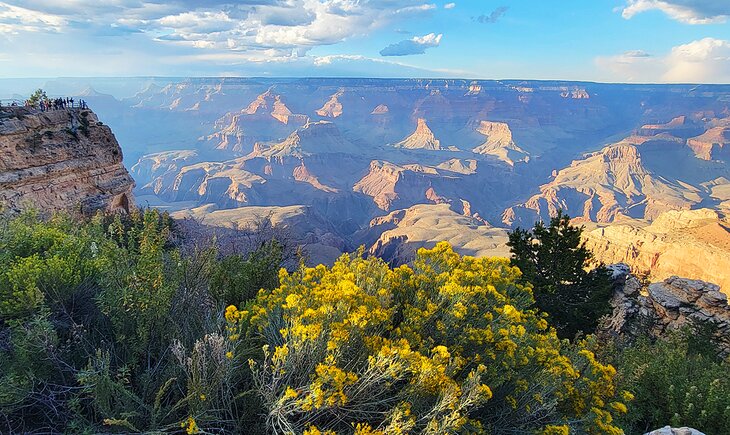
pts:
[555, 260]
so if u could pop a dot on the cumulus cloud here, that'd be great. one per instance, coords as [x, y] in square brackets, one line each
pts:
[224, 25]
[415, 45]
[706, 60]
[449, 5]
[703, 61]
[493, 17]
[15, 19]
[685, 11]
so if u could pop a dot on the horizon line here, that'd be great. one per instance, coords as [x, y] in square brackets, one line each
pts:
[370, 78]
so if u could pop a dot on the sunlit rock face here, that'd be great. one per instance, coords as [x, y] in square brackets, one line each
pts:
[690, 243]
[660, 308]
[508, 153]
[61, 160]
[423, 138]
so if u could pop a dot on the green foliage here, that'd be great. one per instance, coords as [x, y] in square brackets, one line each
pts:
[37, 96]
[555, 261]
[105, 325]
[113, 324]
[678, 380]
[236, 279]
[137, 282]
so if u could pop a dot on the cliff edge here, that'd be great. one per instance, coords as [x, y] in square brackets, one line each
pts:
[61, 159]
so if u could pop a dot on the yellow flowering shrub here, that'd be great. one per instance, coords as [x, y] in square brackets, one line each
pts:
[449, 345]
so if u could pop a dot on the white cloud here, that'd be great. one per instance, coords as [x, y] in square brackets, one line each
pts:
[14, 19]
[703, 61]
[415, 45]
[219, 25]
[706, 60]
[449, 5]
[685, 11]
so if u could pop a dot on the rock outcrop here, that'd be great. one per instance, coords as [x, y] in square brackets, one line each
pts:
[691, 243]
[61, 160]
[299, 225]
[423, 138]
[714, 144]
[678, 126]
[402, 232]
[668, 430]
[322, 137]
[666, 306]
[332, 108]
[633, 178]
[499, 143]
[380, 109]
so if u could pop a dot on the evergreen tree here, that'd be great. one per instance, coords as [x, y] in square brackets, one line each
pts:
[37, 96]
[555, 261]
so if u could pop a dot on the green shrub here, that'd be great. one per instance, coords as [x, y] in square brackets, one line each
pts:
[556, 262]
[675, 381]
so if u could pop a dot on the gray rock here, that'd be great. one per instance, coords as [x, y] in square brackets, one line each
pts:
[668, 305]
[668, 430]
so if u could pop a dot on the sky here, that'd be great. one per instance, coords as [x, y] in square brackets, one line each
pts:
[656, 41]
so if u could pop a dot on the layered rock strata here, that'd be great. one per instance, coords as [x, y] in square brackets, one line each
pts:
[60, 160]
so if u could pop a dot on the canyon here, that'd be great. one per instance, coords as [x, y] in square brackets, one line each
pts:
[395, 165]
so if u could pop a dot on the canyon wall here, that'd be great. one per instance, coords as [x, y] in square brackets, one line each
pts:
[60, 160]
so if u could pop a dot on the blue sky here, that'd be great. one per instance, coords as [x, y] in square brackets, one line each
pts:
[598, 40]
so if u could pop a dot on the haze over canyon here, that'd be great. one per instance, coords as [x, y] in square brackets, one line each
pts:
[396, 164]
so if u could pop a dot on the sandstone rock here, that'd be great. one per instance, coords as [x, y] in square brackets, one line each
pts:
[321, 137]
[500, 143]
[402, 232]
[623, 180]
[380, 109]
[332, 108]
[422, 138]
[61, 160]
[714, 144]
[666, 306]
[301, 225]
[678, 126]
[691, 243]
[668, 430]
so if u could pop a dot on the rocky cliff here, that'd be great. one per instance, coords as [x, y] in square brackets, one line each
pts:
[665, 306]
[691, 243]
[60, 160]
[422, 138]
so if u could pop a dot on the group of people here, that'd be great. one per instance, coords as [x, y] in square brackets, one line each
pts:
[58, 104]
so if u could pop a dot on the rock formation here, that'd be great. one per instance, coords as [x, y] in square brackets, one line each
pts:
[368, 160]
[402, 232]
[500, 143]
[576, 94]
[633, 178]
[423, 138]
[666, 306]
[302, 226]
[322, 137]
[60, 160]
[332, 108]
[668, 430]
[380, 109]
[271, 104]
[691, 243]
[679, 126]
[713, 144]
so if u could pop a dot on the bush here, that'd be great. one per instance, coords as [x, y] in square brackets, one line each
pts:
[105, 325]
[452, 345]
[676, 381]
[114, 324]
[556, 262]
